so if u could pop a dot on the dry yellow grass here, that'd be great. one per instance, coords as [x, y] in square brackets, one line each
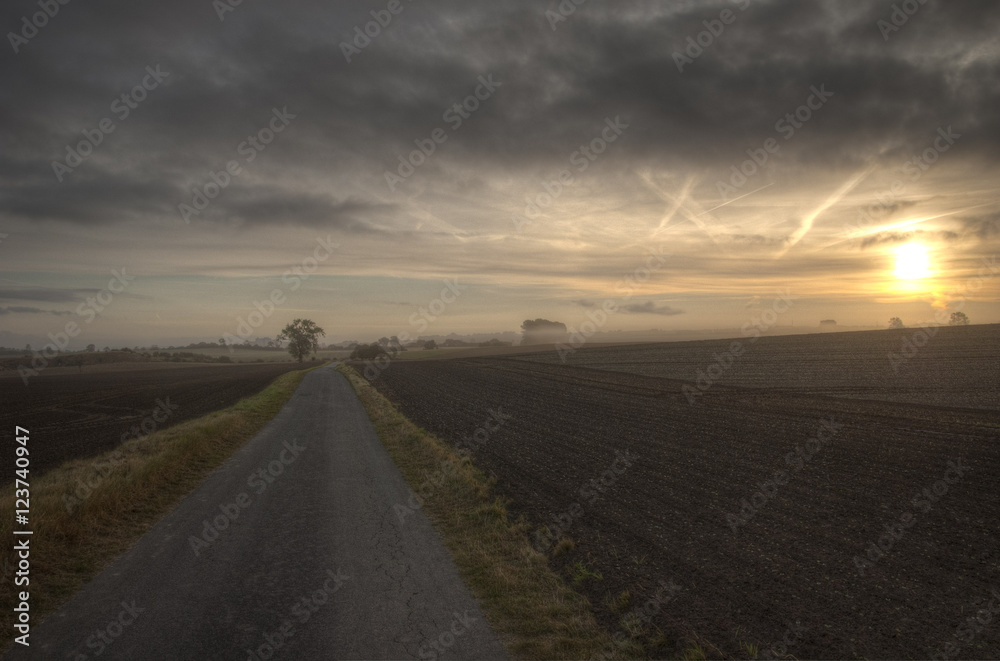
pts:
[143, 481]
[530, 607]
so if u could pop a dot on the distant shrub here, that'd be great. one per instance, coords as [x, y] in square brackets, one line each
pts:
[368, 352]
[543, 331]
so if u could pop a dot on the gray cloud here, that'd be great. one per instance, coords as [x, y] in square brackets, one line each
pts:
[14, 309]
[651, 308]
[891, 238]
[754, 239]
[325, 173]
[354, 120]
[281, 207]
[46, 295]
[983, 228]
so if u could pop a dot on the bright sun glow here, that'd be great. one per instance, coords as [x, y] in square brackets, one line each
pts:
[912, 262]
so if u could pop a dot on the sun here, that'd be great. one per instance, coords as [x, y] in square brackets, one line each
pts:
[912, 262]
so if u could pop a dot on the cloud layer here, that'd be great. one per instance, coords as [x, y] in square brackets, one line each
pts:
[733, 162]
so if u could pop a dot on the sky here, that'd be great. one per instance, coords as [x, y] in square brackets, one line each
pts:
[192, 169]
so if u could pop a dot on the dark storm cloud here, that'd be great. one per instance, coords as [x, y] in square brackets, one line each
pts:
[277, 206]
[354, 120]
[93, 199]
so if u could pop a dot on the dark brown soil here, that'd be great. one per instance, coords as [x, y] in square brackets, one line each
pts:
[71, 416]
[669, 516]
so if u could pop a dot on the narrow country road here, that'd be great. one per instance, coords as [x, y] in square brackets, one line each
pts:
[290, 550]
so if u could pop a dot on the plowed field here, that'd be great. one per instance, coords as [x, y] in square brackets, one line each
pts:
[73, 415]
[766, 505]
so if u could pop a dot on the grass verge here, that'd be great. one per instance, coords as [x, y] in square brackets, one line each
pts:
[130, 489]
[531, 608]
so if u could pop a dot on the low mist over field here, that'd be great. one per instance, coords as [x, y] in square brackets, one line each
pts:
[173, 173]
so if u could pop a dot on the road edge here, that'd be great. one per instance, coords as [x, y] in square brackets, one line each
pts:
[138, 483]
[532, 610]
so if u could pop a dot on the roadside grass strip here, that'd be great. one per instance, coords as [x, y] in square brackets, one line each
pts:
[529, 606]
[78, 531]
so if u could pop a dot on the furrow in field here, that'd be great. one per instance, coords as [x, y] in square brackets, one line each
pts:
[666, 517]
